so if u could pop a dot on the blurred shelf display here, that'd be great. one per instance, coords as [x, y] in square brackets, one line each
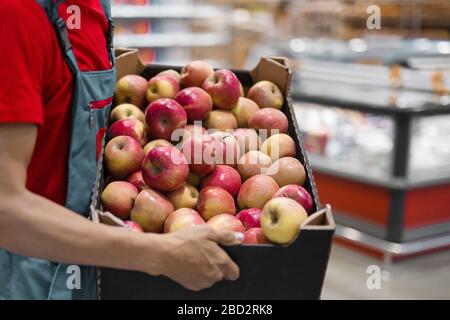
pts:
[166, 12]
[170, 40]
[380, 155]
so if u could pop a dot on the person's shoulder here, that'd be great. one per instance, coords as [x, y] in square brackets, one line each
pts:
[21, 11]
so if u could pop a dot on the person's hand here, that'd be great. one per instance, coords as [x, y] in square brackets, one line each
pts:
[193, 258]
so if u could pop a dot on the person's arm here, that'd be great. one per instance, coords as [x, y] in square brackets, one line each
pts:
[34, 226]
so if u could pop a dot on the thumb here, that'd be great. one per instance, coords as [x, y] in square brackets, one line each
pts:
[227, 238]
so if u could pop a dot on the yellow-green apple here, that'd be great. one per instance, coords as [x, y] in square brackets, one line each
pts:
[247, 138]
[133, 226]
[163, 117]
[243, 110]
[181, 219]
[225, 177]
[227, 150]
[256, 191]
[279, 146]
[126, 110]
[118, 198]
[131, 89]
[255, 236]
[226, 222]
[281, 219]
[137, 180]
[297, 193]
[156, 143]
[184, 197]
[287, 170]
[129, 127]
[165, 169]
[266, 94]
[221, 119]
[250, 217]
[269, 121]
[199, 151]
[123, 156]
[151, 210]
[224, 88]
[171, 73]
[195, 73]
[213, 201]
[163, 86]
[194, 179]
[196, 102]
[253, 163]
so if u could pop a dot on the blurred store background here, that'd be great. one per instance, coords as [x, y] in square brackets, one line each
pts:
[373, 100]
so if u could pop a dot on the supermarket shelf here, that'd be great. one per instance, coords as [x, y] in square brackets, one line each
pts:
[165, 40]
[322, 165]
[392, 248]
[163, 12]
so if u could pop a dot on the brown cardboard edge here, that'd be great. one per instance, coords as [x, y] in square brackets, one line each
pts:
[276, 70]
[128, 62]
[321, 220]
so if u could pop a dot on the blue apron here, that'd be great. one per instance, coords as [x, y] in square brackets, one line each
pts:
[29, 278]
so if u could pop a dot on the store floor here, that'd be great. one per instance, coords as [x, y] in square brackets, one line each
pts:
[424, 277]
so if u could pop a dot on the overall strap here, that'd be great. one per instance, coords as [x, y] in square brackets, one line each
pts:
[106, 5]
[51, 9]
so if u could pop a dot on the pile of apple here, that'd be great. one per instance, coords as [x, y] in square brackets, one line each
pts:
[189, 149]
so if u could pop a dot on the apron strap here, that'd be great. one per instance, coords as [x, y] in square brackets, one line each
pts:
[106, 5]
[51, 9]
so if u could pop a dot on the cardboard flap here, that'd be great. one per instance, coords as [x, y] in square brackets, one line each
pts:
[276, 70]
[321, 220]
[128, 62]
[107, 218]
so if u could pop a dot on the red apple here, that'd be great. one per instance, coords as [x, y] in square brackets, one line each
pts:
[213, 201]
[184, 197]
[129, 127]
[126, 110]
[266, 94]
[123, 156]
[151, 210]
[195, 73]
[163, 117]
[253, 163]
[250, 217]
[224, 88]
[248, 139]
[118, 198]
[297, 193]
[279, 146]
[190, 130]
[226, 222]
[171, 73]
[137, 180]
[156, 143]
[181, 219]
[225, 177]
[227, 149]
[287, 170]
[199, 150]
[255, 236]
[165, 169]
[133, 226]
[281, 219]
[162, 86]
[131, 89]
[256, 191]
[269, 121]
[221, 119]
[244, 109]
[196, 102]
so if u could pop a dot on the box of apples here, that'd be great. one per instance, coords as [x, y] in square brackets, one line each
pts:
[196, 146]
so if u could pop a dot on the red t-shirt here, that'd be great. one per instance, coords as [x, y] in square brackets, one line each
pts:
[36, 84]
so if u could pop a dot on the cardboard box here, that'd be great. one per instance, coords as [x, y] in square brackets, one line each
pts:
[267, 271]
